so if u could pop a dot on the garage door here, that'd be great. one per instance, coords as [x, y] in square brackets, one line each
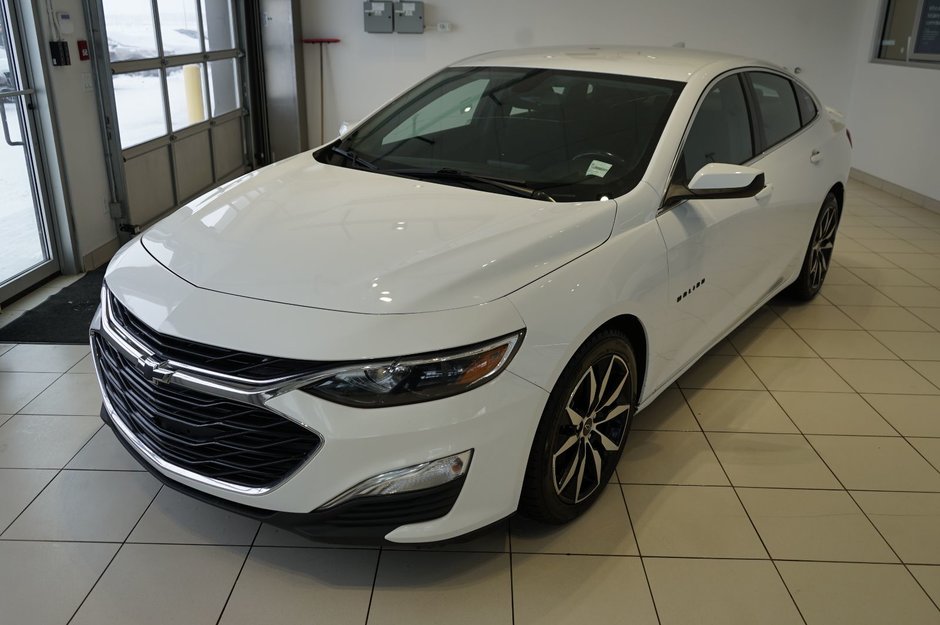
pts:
[171, 94]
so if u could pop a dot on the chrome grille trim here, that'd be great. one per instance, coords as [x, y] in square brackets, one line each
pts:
[187, 376]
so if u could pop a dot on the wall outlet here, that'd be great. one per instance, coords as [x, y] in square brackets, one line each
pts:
[87, 85]
[444, 27]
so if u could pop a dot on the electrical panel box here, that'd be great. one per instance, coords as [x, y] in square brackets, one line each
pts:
[409, 17]
[59, 51]
[379, 17]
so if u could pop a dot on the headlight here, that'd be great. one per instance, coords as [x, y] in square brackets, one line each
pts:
[413, 379]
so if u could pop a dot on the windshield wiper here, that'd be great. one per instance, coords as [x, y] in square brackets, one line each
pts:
[355, 158]
[514, 187]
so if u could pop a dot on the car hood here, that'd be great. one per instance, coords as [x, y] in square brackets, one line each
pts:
[304, 233]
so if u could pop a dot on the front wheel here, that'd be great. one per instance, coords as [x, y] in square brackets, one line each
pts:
[583, 430]
[819, 252]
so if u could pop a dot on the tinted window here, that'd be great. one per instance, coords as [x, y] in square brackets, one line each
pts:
[778, 108]
[452, 110]
[807, 106]
[573, 135]
[721, 132]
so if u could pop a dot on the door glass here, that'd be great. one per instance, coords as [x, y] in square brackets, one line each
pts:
[21, 228]
[179, 26]
[140, 112]
[721, 132]
[130, 29]
[186, 89]
[778, 109]
[807, 106]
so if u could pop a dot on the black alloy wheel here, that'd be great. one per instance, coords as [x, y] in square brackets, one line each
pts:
[583, 430]
[819, 252]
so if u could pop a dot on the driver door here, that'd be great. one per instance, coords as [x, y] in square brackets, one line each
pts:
[716, 248]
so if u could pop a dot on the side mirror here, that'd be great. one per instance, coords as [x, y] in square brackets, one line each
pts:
[718, 181]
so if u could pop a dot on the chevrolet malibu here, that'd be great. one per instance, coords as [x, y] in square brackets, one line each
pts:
[454, 311]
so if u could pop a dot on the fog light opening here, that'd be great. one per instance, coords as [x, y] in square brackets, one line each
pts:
[418, 477]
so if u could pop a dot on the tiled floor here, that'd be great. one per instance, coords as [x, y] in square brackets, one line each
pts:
[790, 477]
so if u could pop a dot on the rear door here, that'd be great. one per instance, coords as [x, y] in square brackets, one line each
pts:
[792, 159]
[716, 248]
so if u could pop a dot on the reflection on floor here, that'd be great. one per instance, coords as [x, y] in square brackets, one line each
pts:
[791, 476]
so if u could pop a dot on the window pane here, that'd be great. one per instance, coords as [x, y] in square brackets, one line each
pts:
[777, 105]
[130, 29]
[577, 135]
[899, 24]
[721, 132]
[179, 26]
[223, 82]
[218, 22]
[187, 95]
[7, 80]
[807, 106]
[452, 110]
[139, 100]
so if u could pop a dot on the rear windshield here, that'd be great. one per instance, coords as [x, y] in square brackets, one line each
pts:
[571, 136]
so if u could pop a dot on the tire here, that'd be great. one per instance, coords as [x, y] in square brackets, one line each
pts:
[586, 418]
[819, 252]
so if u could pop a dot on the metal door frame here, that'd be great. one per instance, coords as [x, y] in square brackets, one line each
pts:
[115, 154]
[33, 145]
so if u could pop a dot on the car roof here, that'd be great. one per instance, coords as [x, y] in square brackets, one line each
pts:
[678, 64]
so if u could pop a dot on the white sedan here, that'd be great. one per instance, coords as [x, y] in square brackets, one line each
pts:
[454, 311]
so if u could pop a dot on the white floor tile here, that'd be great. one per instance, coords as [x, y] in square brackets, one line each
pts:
[857, 594]
[283, 586]
[567, 589]
[177, 518]
[719, 592]
[193, 581]
[43, 583]
[87, 506]
[434, 587]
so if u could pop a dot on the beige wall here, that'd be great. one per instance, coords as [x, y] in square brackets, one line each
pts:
[364, 69]
[894, 116]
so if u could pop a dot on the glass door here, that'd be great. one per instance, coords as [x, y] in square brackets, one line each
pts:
[26, 251]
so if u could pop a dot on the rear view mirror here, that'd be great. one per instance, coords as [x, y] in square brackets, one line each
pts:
[718, 181]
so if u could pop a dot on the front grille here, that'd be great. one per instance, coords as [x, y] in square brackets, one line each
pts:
[209, 357]
[215, 437]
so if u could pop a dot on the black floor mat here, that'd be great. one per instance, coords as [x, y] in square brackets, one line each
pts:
[63, 318]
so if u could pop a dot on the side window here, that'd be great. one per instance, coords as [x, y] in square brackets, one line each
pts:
[778, 108]
[451, 110]
[721, 132]
[807, 106]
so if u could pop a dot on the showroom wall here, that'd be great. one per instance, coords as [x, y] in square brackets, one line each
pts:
[894, 116]
[364, 69]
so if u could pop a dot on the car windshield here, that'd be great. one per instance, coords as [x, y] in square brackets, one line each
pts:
[549, 134]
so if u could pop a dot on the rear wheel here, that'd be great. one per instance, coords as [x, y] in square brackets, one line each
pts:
[819, 252]
[583, 430]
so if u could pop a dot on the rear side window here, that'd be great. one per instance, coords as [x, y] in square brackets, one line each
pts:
[807, 105]
[779, 111]
[721, 131]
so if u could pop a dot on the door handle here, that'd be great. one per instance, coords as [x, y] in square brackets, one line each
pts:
[5, 124]
[815, 157]
[764, 193]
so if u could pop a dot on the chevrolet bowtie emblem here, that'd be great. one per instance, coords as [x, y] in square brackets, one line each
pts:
[155, 370]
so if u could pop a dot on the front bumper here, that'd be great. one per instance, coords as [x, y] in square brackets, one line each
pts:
[365, 520]
[496, 420]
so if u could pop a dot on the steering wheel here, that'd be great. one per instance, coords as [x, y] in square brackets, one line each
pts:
[607, 157]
